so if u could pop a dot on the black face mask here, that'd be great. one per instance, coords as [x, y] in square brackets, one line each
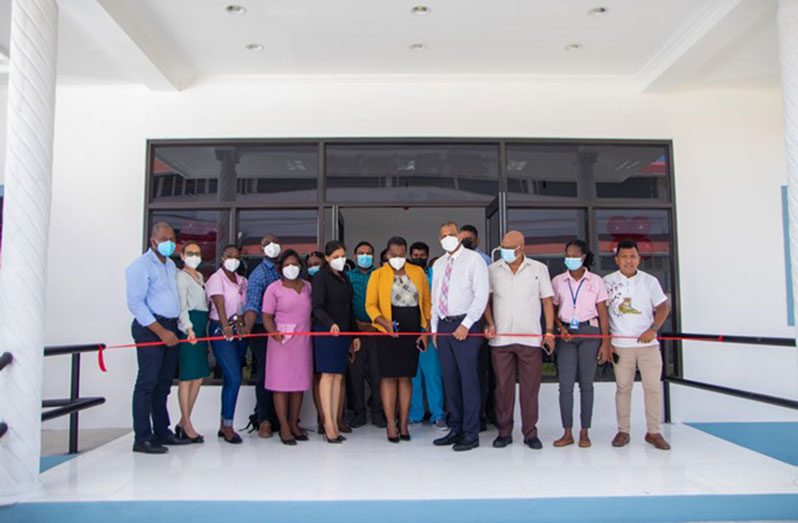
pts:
[421, 262]
[468, 243]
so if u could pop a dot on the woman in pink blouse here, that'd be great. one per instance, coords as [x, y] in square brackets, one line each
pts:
[227, 292]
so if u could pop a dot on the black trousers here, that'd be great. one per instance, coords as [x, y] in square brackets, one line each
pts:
[157, 369]
[264, 399]
[361, 371]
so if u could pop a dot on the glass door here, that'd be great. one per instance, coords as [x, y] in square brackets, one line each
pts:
[495, 218]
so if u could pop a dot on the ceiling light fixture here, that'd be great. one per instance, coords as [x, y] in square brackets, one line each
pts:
[420, 10]
[417, 47]
[574, 47]
[254, 47]
[598, 11]
[234, 9]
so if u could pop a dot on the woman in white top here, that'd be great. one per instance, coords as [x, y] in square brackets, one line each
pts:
[193, 324]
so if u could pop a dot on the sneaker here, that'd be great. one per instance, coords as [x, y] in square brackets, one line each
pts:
[441, 425]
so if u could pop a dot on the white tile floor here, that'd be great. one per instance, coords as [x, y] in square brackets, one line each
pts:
[368, 467]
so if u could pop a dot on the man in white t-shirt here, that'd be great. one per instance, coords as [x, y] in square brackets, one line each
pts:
[637, 308]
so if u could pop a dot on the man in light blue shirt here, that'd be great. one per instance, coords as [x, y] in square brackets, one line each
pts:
[153, 300]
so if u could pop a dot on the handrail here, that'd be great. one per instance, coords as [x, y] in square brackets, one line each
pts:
[74, 404]
[669, 379]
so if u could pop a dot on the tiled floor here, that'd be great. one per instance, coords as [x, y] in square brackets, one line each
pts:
[367, 467]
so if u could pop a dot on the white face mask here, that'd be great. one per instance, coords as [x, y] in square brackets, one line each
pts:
[291, 272]
[272, 250]
[450, 243]
[338, 264]
[192, 261]
[397, 263]
[231, 264]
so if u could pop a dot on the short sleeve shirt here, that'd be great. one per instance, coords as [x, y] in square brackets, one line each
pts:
[631, 306]
[234, 294]
[516, 300]
[589, 291]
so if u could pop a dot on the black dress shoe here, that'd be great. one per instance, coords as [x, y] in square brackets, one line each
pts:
[394, 439]
[533, 443]
[171, 439]
[290, 441]
[149, 447]
[235, 439]
[450, 439]
[358, 421]
[502, 441]
[333, 440]
[301, 437]
[404, 437]
[466, 445]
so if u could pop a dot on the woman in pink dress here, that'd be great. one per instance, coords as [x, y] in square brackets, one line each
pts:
[289, 359]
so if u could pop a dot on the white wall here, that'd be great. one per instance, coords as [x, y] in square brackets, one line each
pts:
[729, 164]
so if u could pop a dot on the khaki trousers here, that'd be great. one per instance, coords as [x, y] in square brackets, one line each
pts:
[649, 361]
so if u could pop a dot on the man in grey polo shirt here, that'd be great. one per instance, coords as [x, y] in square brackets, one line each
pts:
[519, 286]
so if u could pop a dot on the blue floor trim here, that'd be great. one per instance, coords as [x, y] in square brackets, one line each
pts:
[773, 507]
[774, 439]
[48, 462]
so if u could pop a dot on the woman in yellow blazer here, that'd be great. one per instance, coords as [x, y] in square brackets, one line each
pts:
[398, 300]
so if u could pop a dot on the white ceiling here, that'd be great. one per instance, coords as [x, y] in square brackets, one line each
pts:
[170, 44]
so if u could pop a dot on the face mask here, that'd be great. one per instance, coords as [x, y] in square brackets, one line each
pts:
[397, 263]
[291, 272]
[272, 250]
[468, 243]
[509, 255]
[573, 264]
[338, 264]
[313, 270]
[166, 248]
[450, 243]
[365, 261]
[231, 264]
[192, 262]
[421, 262]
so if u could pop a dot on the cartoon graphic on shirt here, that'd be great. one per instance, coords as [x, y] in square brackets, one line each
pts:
[620, 304]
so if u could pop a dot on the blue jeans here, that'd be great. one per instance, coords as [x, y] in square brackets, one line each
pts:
[428, 378]
[230, 356]
[157, 369]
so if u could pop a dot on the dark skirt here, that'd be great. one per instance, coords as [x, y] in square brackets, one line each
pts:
[194, 358]
[398, 357]
[330, 353]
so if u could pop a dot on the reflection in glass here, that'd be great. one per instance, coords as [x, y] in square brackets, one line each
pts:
[408, 173]
[209, 229]
[226, 173]
[566, 171]
[546, 231]
[295, 229]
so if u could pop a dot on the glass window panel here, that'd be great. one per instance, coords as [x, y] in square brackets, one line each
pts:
[244, 173]
[587, 171]
[546, 231]
[296, 229]
[651, 229]
[209, 229]
[411, 173]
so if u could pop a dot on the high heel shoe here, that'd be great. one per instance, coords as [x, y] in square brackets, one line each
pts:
[334, 440]
[404, 437]
[301, 437]
[393, 440]
[291, 441]
[180, 433]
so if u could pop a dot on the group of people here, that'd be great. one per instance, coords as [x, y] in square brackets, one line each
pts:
[422, 335]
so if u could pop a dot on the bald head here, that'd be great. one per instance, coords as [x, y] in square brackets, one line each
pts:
[513, 240]
[162, 228]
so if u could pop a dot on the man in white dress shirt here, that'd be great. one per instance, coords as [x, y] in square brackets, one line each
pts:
[459, 297]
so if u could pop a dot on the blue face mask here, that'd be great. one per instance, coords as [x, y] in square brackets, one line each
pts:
[365, 261]
[573, 264]
[508, 255]
[313, 270]
[166, 248]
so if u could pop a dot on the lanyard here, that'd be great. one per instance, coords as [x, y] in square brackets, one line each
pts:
[574, 296]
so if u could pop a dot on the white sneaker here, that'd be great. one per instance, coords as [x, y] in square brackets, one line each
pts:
[441, 425]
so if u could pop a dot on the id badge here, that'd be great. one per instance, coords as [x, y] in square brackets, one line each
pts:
[574, 325]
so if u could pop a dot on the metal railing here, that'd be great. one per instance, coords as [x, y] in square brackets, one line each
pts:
[71, 406]
[669, 348]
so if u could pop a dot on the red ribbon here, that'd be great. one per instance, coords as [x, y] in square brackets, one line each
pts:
[101, 359]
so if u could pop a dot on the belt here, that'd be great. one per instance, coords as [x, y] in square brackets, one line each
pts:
[162, 319]
[453, 319]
